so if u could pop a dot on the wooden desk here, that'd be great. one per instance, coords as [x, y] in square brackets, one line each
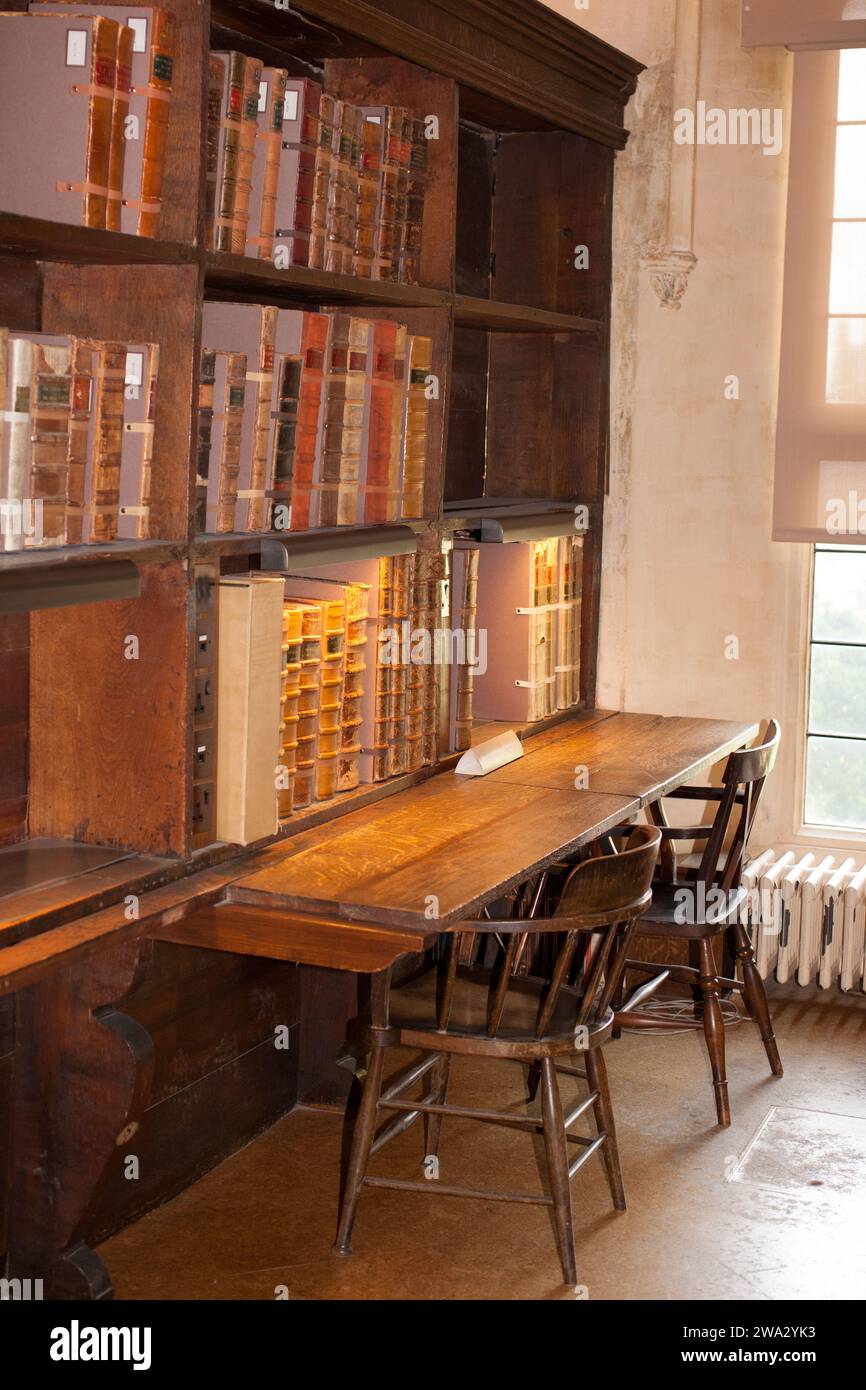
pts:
[637, 755]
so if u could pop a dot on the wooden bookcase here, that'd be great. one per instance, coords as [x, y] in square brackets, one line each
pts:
[98, 748]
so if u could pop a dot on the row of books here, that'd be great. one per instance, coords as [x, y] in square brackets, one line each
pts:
[309, 420]
[299, 177]
[93, 93]
[324, 683]
[528, 602]
[76, 439]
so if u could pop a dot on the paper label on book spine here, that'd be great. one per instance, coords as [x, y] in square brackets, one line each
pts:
[138, 25]
[76, 48]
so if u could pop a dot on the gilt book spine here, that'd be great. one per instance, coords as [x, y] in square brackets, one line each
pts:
[103, 504]
[369, 172]
[289, 707]
[308, 706]
[204, 436]
[343, 189]
[238, 122]
[398, 422]
[337, 478]
[136, 466]
[297, 174]
[50, 393]
[229, 393]
[378, 501]
[266, 164]
[465, 592]
[85, 369]
[103, 80]
[160, 74]
[314, 344]
[354, 675]
[419, 363]
[411, 232]
[17, 438]
[216, 77]
[285, 434]
[321, 181]
[402, 576]
[119, 113]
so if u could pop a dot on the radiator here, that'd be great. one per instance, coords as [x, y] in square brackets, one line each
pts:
[807, 918]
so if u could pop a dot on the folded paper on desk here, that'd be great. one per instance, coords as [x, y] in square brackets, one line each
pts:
[488, 756]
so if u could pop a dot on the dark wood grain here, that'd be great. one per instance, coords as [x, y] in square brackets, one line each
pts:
[14, 690]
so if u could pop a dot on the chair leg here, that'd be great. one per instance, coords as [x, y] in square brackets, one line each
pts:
[439, 1087]
[596, 1073]
[533, 1077]
[362, 1139]
[714, 1029]
[556, 1147]
[755, 995]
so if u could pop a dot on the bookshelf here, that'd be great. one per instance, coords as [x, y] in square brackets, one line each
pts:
[97, 748]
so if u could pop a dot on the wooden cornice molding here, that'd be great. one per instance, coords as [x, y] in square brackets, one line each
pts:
[517, 52]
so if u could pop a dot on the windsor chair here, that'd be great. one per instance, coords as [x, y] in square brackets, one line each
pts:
[543, 1015]
[702, 904]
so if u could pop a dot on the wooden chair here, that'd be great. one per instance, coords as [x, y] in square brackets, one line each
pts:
[452, 1008]
[685, 908]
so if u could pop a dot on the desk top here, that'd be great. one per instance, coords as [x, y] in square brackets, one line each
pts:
[442, 850]
[637, 755]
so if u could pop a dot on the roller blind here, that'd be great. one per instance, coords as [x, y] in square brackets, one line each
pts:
[804, 23]
[820, 476]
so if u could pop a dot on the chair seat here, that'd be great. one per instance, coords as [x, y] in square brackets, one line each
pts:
[687, 911]
[414, 1005]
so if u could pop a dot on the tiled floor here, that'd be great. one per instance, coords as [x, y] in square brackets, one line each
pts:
[260, 1226]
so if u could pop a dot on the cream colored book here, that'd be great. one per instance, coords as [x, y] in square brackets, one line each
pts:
[248, 709]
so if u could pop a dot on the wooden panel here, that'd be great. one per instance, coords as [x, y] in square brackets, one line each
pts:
[640, 755]
[447, 847]
[543, 416]
[109, 759]
[389, 81]
[467, 416]
[474, 212]
[20, 294]
[302, 938]
[329, 1000]
[14, 687]
[150, 304]
[553, 195]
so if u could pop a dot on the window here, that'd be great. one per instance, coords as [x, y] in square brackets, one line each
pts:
[836, 723]
[846, 338]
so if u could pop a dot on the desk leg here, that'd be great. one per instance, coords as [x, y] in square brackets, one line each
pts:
[82, 1074]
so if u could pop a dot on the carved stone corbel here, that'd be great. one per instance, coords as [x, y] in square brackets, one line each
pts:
[671, 263]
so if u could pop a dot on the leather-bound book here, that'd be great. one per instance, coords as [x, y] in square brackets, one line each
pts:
[142, 92]
[14, 475]
[337, 479]
[329, 132]
[229, 390]
[342, 189]
[354, 673]
[266, 164]
[377, 500]
[304, 790]
[297, 170]
[311, 331]
[285, 433]
[238, 120]
[252, 330]
[103, 493]
[249, 686]
[418, 365]
[216, 77]
[119, 113]
[398, 421]
[85, 371]
[289, 706]
[568, 596]
[410, 244]
[329, 599]
[464, 606]
[60, 171]
[204, 435]
[136, 463]
[369, 171]
[396, 125]
[50, 395]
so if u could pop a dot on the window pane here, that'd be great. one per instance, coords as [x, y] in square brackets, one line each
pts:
[852, 85]
[837, 692]
[836, 782]
[839, 606]
[846, 361]
[850, 200]
[848, 268]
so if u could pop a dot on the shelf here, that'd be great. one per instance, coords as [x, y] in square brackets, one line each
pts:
[471, 312]
[41, 558]
[64, 241]
[242, 273]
